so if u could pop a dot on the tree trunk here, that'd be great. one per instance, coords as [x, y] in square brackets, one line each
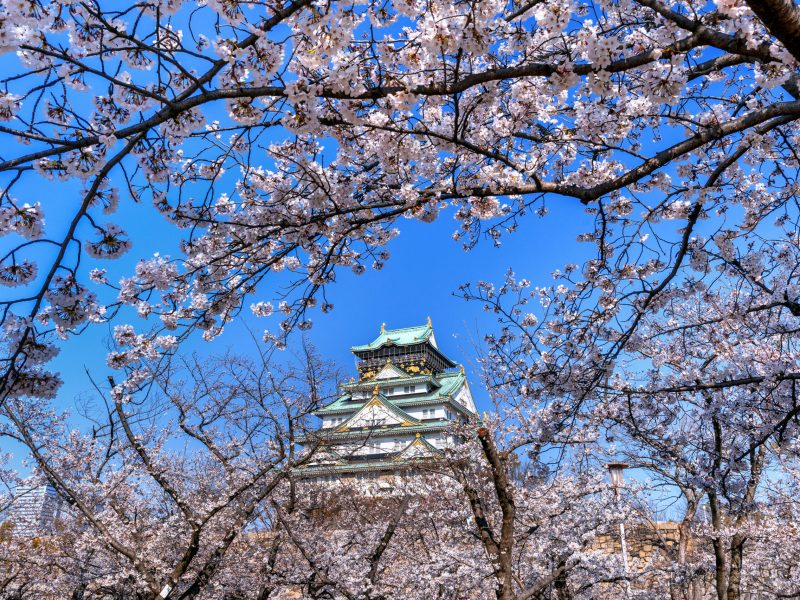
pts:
[504, 566]
[561, 588]
[79, 592]
[782, 19]
[720, 567]
[735, 574]
[682, 591]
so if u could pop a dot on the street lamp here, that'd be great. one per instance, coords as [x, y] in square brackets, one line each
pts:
[616, 475]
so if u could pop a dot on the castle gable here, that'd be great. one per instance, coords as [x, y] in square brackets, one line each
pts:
[418, 448]
[378, 412]
[390, 372]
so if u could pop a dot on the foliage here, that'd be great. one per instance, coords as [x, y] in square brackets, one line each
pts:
[674, 123]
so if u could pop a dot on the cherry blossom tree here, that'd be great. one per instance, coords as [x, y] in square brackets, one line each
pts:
[715, 413]
[702, 398]
[343, 118]
[284, 141]
[539, 527]
[466, 527]
[165, 483]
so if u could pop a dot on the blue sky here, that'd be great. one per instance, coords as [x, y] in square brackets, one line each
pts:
[425, 269]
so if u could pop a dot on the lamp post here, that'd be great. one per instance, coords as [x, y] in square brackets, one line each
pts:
[615, 474]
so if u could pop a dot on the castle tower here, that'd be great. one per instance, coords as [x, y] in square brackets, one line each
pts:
[400, 412]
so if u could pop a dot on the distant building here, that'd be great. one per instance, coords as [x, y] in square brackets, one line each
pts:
[35, 509]
[399, 413]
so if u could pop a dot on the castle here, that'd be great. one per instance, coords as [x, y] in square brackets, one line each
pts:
[400, 413]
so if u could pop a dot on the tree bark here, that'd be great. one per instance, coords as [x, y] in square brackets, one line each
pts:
[735, 572]
[720, 562]
[679, 592]
[782, 19]
[561, 588]
[505, 498]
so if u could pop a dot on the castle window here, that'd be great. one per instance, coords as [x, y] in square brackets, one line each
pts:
[409, 389]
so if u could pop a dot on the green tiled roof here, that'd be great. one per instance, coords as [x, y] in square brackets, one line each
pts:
[390, 461]
[338, 404]
[450, 382]
[434, 401]
[370, 383]
[328, 434]
[384, 465]
[399, 337]
[345, 406]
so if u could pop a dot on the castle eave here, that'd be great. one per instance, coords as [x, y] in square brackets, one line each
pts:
[366, 433]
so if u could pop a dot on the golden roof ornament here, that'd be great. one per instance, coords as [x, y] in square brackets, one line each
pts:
[461, 368]
[429, 322]
[383, 327]
[375, 390]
